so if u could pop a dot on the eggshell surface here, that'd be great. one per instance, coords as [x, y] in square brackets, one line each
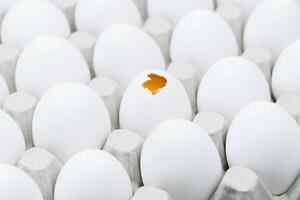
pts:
[47, 61]
[12, 143]
[4, 92]
[69, 118]
[286, 72]
[16, 184]
[29, 19]
[174, 10]
[202, 38]
[123, 51]
[180, 158]
[265, 138]
[93, 174]
[231, 84]
[273, 25]
[141, 110]
[94, 16]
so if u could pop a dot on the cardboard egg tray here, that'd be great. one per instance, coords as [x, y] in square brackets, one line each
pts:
[237, 183]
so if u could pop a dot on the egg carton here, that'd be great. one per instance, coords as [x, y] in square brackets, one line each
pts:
[85, 42]
[237, 184]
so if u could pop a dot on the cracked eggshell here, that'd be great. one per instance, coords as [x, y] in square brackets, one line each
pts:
[246, 6]
[93, 174]
[286, 72]
[123, 51]
[274, 24]
[12, 143]
[265, 138]
[29, 19]
[174, 10]
[231, 84]
[202, 38]
[141, 111]
[47, 61]
[69, 118]
[177, 151]
[15, 184]
[94, 16]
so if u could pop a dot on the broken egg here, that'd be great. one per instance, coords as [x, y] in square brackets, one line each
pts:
[201, 38]
[180, 158]
[155, 83]
[93, 174]
[265, 138]
[152, 97]
[69, 118]
[15, 184]
[29, 19]
[12, 143]
[273, 24]
[94, 16]
[123, 51]
[231, 84]
[174, 10]
[47, 61]
[286, 72]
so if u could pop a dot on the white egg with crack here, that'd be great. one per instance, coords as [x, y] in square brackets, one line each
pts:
[265, 138]
[152, 97]
[69, 118]
[245, 5]
[30, 19]
[93, 174]
[180, 158]
[15, 184]
[123, 51]
[274, 24]
[12, 143]
[201, 38]
[94, 16]
[174, 10]
[286, 72]
[47, 61]
[231, 84]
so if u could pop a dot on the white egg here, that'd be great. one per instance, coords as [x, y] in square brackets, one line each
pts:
[174, 10]
[123, 51]
[231, 84]
[266, 139]
[95, 15]
[29, 19]
[245, 5]
[201, 38]
[4, 92]
[69, 118]
[47, 61]
[93, 174]
[154, 96]
[273, 25]
[12, 143]
[15, 184]
[286, 72]
[179, 157]
[6, 4]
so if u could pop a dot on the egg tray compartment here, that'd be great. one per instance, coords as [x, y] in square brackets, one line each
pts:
[237, 183]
